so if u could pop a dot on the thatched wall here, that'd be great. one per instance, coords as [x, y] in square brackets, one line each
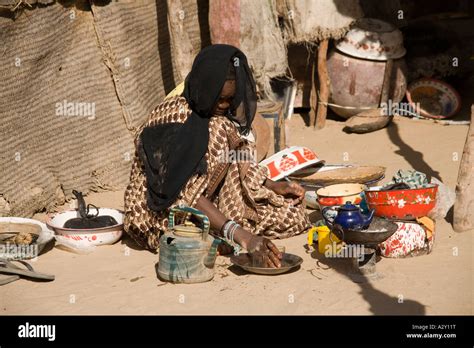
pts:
[76, 79]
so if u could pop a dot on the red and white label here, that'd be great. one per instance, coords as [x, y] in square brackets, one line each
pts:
[289, 161]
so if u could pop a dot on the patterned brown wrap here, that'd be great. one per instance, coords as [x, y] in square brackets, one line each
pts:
[241, 196]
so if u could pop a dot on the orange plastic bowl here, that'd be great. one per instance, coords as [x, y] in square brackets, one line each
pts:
[407, 204]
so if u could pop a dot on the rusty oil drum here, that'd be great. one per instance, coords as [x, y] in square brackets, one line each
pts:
[357, 83]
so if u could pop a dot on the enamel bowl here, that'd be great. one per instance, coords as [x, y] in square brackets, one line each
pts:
[84, 237]
[21, 252]
[433, 98]
[407, 204]
[339, 194]
[373, 39]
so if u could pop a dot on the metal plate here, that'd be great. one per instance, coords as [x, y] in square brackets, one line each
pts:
[309, 186]
[288, 262]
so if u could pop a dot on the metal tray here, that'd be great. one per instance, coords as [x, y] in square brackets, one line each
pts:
[288, 262]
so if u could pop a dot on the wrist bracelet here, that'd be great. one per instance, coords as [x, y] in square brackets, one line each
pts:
[227, 228]
[228, 231]
[234, 244]
[221, 231]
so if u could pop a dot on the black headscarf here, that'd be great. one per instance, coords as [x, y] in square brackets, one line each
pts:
[173, 152]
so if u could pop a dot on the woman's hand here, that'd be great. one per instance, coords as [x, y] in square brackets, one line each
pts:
[260, 249]
[287, 189]
[263, 252]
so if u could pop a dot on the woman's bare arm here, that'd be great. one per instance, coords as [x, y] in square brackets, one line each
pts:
[245, 239]
[217, 220]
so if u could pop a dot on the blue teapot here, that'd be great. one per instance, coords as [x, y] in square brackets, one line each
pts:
[349, 217]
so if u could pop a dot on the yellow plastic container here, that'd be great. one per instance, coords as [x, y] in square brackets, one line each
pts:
[328, 243]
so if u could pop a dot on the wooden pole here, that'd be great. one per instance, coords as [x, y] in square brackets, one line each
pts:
[181, 42]
[282, 127]
[464, 205]
[224, 22]
[313, 96]
[323, 85]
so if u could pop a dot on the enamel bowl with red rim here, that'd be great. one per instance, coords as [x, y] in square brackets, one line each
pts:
[339, 194]
[91, 237]
[407, 204]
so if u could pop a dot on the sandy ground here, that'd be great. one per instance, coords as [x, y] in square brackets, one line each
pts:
[121, 279]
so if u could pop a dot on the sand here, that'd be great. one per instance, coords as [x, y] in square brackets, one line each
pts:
[121, 279]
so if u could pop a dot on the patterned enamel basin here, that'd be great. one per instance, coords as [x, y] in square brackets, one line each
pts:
[406, 204]
[433, 98]
[95, 236]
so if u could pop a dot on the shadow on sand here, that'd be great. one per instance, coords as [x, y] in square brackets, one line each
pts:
[414, 158]
[380, 303]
